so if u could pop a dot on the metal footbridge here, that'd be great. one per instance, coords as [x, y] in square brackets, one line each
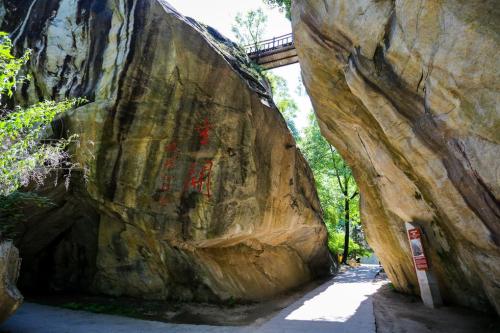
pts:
[273, 53]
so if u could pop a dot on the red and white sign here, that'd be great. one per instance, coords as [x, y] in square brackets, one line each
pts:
[417, 249]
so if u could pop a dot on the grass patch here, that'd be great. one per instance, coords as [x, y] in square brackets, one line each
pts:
[111, 309]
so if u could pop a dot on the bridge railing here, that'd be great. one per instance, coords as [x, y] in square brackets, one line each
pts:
[269, 44]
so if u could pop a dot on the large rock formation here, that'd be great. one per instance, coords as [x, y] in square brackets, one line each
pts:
[10, 297]
[194, 186]
[408, 92]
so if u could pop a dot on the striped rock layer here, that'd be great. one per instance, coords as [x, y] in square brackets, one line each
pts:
[189, 186]
[408, 91]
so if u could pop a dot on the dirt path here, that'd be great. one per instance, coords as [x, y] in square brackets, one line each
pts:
[343, 304]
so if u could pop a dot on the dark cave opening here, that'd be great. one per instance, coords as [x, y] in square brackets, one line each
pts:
[59, 253]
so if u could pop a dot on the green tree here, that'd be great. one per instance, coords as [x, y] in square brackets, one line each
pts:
[9, 67]
[24, 158]
[284, 101]
[337, 190]
[283, 5]
[249, 27]
[349, 195]
[26, 154]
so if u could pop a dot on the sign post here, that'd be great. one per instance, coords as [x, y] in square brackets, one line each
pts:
[429, 289]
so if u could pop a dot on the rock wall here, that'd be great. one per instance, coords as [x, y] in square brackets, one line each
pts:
[408, 92]
[190, 185]
[10, 297]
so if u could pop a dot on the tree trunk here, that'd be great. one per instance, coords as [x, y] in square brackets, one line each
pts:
[346, 237]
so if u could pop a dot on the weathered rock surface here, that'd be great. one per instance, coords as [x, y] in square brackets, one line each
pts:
[195, 188]
[408, 91]
[10, 297]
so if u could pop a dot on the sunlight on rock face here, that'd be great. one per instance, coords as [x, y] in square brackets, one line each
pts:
[195, 187]
[412, 111]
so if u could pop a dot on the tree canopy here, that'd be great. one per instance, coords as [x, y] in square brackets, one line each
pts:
[283, 5]
[284, 101]
[249, 27]
[337, 190]
[338, 193]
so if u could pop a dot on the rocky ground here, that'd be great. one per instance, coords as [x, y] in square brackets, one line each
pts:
[357, 300]
[399, 313]
[315, 311]
[230, 313]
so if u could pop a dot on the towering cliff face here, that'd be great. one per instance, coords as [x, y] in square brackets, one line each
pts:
[408, 91]
[194, 186]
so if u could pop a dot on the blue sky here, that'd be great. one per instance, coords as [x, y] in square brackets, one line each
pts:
[220, 15]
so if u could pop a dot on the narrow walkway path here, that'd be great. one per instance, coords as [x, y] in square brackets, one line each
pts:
[342, 305]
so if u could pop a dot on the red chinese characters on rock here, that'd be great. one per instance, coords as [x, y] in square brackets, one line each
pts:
[199, 178]
[204, 132]
[417, 249]
[171, 147]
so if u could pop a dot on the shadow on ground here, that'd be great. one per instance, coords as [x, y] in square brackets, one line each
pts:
[342, 304]
[399, 313]
[349, 303]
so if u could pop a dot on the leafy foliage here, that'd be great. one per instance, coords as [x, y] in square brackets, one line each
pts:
[337, 191]
[26, 153]
[336, 187]
[285, 103]
[284, 5]
[9, 66]
[24, 158]
[249, 27]
[336, 245]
